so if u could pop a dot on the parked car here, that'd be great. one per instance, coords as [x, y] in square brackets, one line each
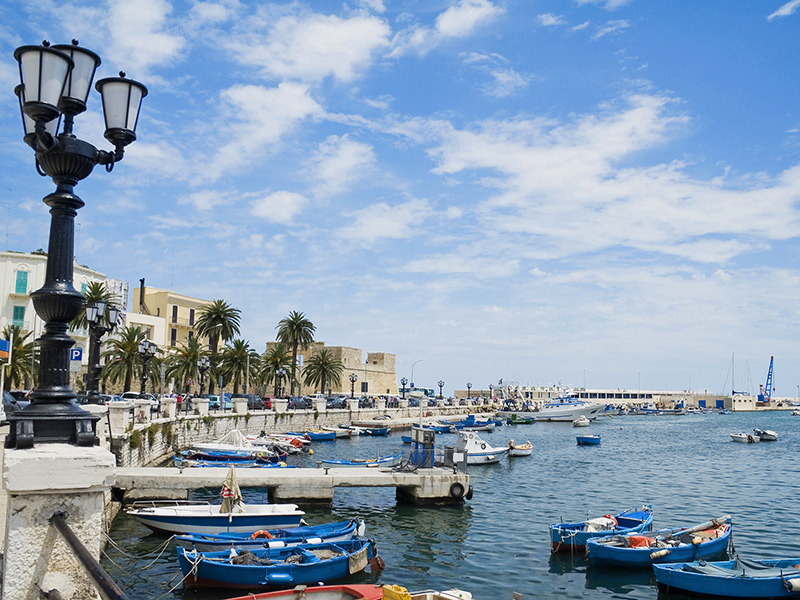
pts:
[254, 401]
[337, 403]
[20, 394]
[11, 404]
[299, 402]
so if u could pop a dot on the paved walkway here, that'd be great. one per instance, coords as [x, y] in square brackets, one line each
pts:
[3, 495]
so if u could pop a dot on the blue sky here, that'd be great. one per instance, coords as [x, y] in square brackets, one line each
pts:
[591, 190]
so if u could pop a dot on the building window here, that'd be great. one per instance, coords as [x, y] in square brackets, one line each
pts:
[191, 317]
[174, 313]
[18, 317]
[173, 336]
[22, 283]
[191, 334]
[83, 288]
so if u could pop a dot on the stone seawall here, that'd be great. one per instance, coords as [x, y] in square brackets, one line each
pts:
[154, 441]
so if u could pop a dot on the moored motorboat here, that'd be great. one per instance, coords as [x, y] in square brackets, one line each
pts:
[391, 460]
[339, 432]
[276, 567]
[766, 435]
[379, 431]
[514, 449]
[184, 463]
[559, 409]
[569, 537]
[588, 440]
[745, 438]
[477, 451]
[581, 421]
[516, 420]
[643, 549]
[274, 538]
[738, 578]
[315, 435]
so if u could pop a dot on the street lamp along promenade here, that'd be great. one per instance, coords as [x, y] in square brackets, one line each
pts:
[403, 382]
[441, 385]
[469, 387]
[55, 83]
[353, 378]
[96, 315]
[203, 365]
[147, 350]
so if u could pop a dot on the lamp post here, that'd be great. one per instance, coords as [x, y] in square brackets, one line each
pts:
[280, 372]
[491, 391]
[353, 378]
[55, 83]
[441, 385]
[403, 382]
[412, 369]
[203, 365]
[469, 387]
[96, 315]
[147, 350]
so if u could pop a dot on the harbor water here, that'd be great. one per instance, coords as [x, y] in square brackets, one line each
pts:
[685, 466]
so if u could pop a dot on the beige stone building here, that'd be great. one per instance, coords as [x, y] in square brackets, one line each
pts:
[376, 376]
[179, 313]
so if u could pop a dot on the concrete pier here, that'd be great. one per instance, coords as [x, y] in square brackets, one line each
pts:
[422, 486]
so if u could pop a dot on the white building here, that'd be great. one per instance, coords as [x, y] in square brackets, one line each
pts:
[21, 274]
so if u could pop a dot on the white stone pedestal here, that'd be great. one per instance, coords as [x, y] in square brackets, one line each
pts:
[168, 407]
[142, 411]
[402, 403]
[42, 481]
[381, 405]
[280, 406]
[101, 410]
[200, 406]
[320, 405]
[239, 405]
[120, 417]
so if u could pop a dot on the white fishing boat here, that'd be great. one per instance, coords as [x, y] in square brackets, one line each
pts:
[581, 421]
[766, 435]
[514, 449]
[558, 409]
[745, 438]
[478, 452]
[339, 432]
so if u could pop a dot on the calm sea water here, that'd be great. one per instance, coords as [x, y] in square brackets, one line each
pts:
[685, 466]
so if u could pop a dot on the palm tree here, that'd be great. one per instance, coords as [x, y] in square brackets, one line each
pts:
[234, 362]
[323, 368]
[217, 321]
[182, 364]
[123, 360]
[295, 331]
[19, 371]
[95, 291]
[276, 357]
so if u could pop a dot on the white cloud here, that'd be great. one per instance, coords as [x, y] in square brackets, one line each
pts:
[611, 28]
[551, 20]
[581, 26]
[313, 47]
[459, 20]
[255, 117]
[376, 5]
[207, 13]
[280, 207]
[786, 10]
[338, 163]
[506, 82]
[607, 4]
[463, 18]
[383, 221]
[207, 199]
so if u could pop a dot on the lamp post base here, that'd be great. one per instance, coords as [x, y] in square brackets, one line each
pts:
[63, 423]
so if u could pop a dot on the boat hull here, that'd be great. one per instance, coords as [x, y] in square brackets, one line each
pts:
[214, 569]
[732, 578]
[323, 592]
[602, 551]
[280, 538]
[557, 411]
[207, 519]
[588, 440]
[383, 461]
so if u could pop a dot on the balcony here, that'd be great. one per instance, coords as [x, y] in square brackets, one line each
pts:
[181, 322]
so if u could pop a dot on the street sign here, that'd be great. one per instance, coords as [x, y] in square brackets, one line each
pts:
[75, 359]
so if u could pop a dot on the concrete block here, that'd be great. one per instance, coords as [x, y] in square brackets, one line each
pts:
[239, 405]
[168, 406]
[200, 406]
[141, 411]
[120, 415]
[280, 405]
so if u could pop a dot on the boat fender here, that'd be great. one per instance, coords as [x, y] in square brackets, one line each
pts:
[793, 585]
[457, 490]
[261, 533]
[659, 553]
[469, 493]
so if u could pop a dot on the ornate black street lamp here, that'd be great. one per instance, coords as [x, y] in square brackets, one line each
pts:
[353, 378]
[147, 350]
[469, 387]
[96, 316]
[441, 385]
[403, 382]
[280, 372]
[203, 365]
[55, 83]
[491, 391]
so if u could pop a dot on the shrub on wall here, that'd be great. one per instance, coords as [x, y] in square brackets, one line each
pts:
[135, 439]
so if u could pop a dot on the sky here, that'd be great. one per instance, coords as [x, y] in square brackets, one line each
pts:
[584, 192]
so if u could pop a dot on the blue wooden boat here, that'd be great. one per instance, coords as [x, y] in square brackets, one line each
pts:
[274, 538]
[377, 430]
[705, 541]
[266, 568]
[739, 578]
[391, 460]
[258, 454]
[316, 436]
[571, 537]
[184, 463]
[588, 440]
[406, 439]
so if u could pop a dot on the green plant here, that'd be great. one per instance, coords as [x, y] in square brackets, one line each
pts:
[208, 419]
[151, 433]
[136, 439]
[167, 434]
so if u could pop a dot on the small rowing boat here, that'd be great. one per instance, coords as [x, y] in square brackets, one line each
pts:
[569, 537]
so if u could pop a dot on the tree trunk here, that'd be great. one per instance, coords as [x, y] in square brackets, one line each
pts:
[294, 365]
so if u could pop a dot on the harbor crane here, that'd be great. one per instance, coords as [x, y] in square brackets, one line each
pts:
[765, 391]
